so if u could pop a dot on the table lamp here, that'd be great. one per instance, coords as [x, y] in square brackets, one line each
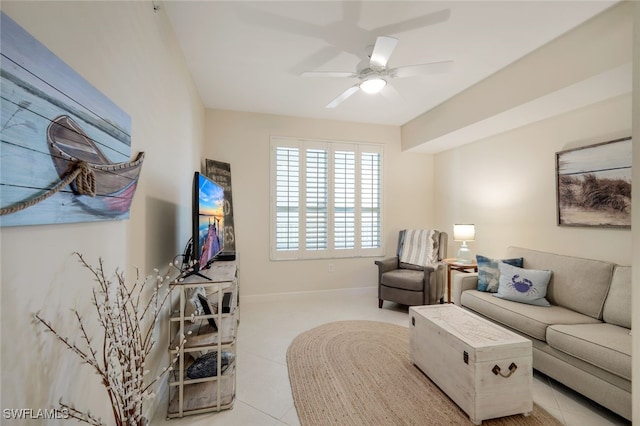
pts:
[464, 233]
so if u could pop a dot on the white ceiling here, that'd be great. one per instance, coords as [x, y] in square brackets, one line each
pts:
[248, 56]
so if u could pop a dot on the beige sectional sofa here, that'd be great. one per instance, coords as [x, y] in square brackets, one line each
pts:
[583, 339]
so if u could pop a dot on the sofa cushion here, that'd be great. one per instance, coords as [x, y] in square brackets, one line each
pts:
[523, 285]
[617, 307]
[527, 319]
[488, 272]
[578, 284]
[604, 345]
[406, 279]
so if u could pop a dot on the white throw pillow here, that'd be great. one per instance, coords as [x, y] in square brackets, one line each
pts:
[523, 285]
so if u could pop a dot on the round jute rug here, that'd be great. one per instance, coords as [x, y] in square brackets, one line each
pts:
[359, 373]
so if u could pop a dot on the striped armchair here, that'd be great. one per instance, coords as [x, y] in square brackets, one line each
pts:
[416, 275]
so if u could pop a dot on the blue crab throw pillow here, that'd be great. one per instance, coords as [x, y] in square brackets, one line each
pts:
[523, 285]
[489, 274]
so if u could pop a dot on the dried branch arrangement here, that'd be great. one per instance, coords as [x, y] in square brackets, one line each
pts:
[128, 324]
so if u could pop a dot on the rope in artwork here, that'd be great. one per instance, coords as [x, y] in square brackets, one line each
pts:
[85, 181]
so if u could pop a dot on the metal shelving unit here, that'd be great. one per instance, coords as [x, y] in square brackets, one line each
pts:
[212, 334]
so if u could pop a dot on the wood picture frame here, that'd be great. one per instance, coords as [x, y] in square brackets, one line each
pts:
[220, 173]
[593, 185]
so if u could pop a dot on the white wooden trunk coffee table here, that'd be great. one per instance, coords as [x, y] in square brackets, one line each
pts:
[486, 369]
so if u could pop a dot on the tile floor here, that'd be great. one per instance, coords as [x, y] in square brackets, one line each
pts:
[269, 323]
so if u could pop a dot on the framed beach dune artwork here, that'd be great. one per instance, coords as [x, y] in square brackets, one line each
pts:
[56, 127]
[594, 185]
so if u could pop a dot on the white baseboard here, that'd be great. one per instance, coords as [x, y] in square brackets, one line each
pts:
[272, 297]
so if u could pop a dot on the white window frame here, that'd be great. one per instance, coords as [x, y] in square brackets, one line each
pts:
[331, 251]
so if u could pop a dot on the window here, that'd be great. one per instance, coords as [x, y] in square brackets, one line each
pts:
[326, 199]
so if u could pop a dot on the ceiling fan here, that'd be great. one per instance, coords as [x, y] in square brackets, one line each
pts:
[376, 76]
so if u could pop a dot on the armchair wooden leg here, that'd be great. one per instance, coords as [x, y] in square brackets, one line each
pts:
[379, 303]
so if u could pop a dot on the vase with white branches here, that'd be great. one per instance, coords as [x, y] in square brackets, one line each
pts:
[128, 323]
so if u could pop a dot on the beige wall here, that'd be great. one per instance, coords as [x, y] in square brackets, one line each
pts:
[528, 89]
[129, 53]
[242, 139]
[506, 186]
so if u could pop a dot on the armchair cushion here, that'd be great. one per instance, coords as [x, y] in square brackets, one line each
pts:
[406, 279]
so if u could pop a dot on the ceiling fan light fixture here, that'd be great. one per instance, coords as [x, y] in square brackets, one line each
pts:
[373, 85]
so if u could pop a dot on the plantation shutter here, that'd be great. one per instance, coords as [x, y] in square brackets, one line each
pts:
[344, 199]
[316, 190]
[370, 200]
[287, 198]
[326, 199]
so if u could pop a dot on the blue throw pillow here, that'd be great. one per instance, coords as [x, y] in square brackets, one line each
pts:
[523, 285]
[489, 274]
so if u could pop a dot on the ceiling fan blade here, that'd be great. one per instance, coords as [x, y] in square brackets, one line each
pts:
[328, 74]
[422, 69]
[382, 51]
[343, 96]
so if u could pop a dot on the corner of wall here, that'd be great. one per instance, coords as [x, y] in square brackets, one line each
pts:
[635, 211]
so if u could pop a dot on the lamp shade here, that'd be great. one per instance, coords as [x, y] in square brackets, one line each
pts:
[463, 232]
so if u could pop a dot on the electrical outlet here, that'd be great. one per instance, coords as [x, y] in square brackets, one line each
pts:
[331, 268]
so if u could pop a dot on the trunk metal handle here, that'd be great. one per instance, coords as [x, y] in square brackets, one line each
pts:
[512, 369]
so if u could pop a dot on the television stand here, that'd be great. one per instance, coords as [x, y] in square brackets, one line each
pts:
[196, 383]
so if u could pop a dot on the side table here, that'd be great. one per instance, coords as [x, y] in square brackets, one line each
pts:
[455, 265]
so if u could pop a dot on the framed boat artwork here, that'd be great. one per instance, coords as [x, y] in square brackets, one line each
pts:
[65, 150]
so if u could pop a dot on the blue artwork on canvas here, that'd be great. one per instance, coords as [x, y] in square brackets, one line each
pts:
[54, 125]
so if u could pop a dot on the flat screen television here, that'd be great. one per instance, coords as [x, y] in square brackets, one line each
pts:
[207, 220]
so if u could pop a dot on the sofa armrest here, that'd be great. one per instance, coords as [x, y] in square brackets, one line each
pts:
[463, 282]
